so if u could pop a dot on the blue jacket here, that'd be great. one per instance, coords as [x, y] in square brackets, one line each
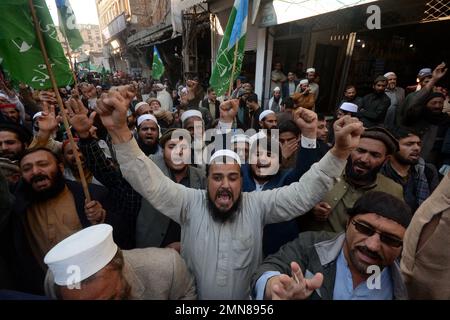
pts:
[278, 234]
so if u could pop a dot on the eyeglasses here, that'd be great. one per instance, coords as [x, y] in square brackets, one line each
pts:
[370, 231]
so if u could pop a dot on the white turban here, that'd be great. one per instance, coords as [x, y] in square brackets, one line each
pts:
[389, 74]
[139, 104]
[146, 117]
[349, 107]
[190, 113]
[304, 81]
[240, 138]
[225, 153]
[82, 254]
[264, 114]
[310, 70]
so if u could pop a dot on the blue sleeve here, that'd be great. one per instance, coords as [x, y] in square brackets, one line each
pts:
[260, 286]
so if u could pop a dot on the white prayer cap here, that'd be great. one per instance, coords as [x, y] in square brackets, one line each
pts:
[304, 81]
[146, 117]
[98, 87]
[225, 153]
[190, 113]
[240, 138]
[264, 114]
[4, 96]
[68, 88]
[390, 73]
[139, 104]
[349, 107]
[310, 70]
[277, 89]
[87, 251]
[37, 114]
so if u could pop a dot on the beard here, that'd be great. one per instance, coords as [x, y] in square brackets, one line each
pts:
[361, 266]
[58, 185]
[148, 149]
[220, 215]
[404, 161]
[361, 179]
[9, 155]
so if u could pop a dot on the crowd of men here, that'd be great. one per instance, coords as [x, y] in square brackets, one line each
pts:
[194, 196]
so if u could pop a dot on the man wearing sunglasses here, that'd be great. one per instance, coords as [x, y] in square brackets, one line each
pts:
[358, 264]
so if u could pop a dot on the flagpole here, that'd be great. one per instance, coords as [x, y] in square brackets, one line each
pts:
[233, 69]
[60, 102]
[69, 53]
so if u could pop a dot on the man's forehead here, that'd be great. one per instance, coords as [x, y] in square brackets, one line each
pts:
[6, 134]
[224, 168]
[36, 156]
[148, 124]
[370, 143]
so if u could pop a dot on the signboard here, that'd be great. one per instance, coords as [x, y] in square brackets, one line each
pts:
[281, 11]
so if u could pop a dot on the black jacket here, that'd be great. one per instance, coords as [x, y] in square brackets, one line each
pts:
[27, 274]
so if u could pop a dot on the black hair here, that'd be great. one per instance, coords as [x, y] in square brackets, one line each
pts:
[402, 132]
[289, 126]
[288, 103]
[320, 117]
[33, 150]
[383, 204]
[253, 97]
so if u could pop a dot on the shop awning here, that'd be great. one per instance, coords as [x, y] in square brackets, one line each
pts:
[281, 11]
[150, 36]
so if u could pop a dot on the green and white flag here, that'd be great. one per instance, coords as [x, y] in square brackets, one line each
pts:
[157, 65]
[68, 24]
[20, 53]
[234, 35]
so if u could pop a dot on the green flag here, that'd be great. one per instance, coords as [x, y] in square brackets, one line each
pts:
[20, 54]
[234, 35]
[157, 65]
[67, 24]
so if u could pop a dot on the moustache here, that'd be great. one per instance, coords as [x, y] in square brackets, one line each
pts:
[361, 165]
[369, 253]
[38, 178]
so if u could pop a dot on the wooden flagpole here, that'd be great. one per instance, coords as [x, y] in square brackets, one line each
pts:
[72, 68]
[60, 102]
[233, 69]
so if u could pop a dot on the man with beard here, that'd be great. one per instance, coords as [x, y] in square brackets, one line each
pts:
[326, 266]
[361, 176]
[221, 237]
[47, 210]
[14, 139]
[108, 273]
[375, 105]
[275, 101]
[10, 111]
[397, 95]
[422, 110]
[408, 169]
[148, 134]
[303, 97]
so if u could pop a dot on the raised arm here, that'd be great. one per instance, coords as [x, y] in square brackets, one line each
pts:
[286, 203]
[143, 175]
[308, 153]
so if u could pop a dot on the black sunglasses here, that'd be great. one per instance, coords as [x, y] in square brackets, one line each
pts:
[370, 231]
